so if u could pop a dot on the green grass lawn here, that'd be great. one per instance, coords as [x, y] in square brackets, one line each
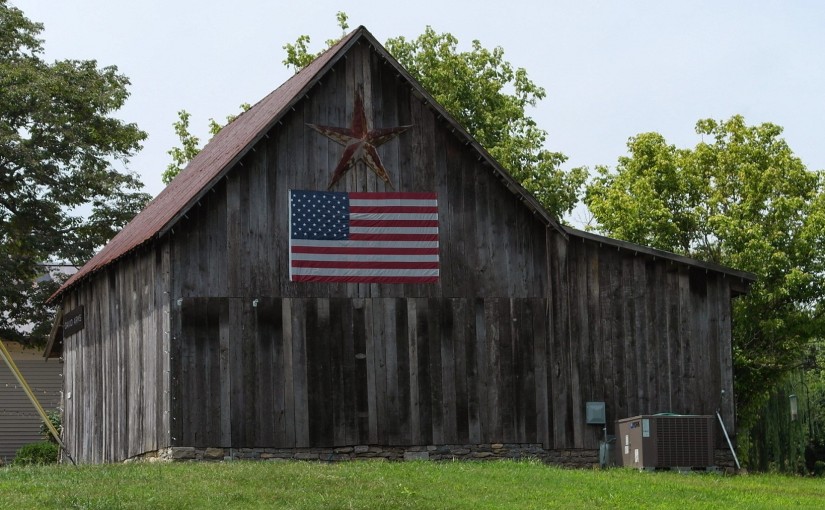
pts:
[365, 484]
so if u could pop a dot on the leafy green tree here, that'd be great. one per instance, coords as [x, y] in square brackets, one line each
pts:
[474, 86]
[740, 198]
[190, 143]
[298, 55]
[181, 155]
[60, 196]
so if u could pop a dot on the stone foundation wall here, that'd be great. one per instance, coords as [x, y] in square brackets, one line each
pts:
[724, 459]
[573, 458]
[577, 458]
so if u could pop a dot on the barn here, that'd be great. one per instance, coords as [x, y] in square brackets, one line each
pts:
[438, 312]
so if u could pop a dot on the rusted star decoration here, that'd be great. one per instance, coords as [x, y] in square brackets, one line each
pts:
[360, 143]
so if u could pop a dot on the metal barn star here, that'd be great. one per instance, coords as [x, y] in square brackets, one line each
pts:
[360, 143]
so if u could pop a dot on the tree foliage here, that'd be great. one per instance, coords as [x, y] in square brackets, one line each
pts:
[489, 97]
[60, 196]
[190, 146]
[298, 55]
[740, 198]
[484, 92]
[189, 143]
[814, 383]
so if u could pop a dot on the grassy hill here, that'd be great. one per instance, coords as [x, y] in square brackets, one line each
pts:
[462, 485]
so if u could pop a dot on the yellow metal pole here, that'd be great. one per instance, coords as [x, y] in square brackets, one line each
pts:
[19, 376]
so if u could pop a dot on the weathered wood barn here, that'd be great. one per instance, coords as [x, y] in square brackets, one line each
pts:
[204, 329]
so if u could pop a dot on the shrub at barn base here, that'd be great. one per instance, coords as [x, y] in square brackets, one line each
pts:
[42, 452]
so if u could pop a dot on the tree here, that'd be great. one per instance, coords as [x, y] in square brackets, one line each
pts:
[473, 86]
[741, 198]
[190, 143]
[181, 155]
[60, 196]
[298, 55]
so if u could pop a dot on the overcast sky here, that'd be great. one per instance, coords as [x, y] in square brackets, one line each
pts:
[611, 69]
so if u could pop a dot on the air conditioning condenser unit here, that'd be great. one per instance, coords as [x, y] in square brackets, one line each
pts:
[666, 441]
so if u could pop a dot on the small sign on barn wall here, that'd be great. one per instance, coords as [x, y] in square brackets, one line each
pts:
[73, 321]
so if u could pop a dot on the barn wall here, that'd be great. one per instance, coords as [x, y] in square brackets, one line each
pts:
[326, 372]
[643, 334]
[523, 327]
[300, 372]
[115, 371]
[232, 249]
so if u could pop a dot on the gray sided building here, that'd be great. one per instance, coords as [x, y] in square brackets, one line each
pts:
[194, 336]
[19, 420]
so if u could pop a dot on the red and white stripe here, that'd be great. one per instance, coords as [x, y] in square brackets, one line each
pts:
[393, 239]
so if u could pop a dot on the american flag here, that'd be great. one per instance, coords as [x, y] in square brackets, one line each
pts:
[363, 237]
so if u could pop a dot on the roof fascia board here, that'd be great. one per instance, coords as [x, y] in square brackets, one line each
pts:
[58, 319]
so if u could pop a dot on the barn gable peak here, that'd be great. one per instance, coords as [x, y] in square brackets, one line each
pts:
[236, 139]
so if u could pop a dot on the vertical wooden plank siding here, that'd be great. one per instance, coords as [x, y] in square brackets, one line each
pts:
[200, 339]
[579, 339]
[596, 355]
[727, 405]
[460, 429]
[561, 398]
[390, 345]
[365, 424]
[341, 368]
[375, 368]
[458, 376]
[115, 386]
[403, 379]
[660, 339]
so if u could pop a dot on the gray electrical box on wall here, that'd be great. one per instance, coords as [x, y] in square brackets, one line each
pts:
[595, 413]
[666, 441]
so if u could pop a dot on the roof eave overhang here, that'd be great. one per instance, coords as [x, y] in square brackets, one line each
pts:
[743, 278]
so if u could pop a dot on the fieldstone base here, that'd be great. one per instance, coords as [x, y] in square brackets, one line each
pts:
[575, 458]
[724, 460]
[572, 458]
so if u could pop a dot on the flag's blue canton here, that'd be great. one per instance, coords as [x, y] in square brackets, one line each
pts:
[320, 214]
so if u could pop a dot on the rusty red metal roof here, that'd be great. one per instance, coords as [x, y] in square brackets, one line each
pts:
[211, 163]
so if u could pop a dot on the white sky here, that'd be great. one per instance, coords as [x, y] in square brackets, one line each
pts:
[611, 69]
